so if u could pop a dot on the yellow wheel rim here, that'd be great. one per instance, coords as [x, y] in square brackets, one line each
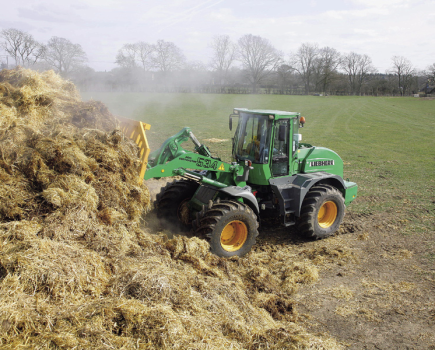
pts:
[234, 235]
[327, 214]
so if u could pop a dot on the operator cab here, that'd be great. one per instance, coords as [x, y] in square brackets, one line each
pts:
[264, 137]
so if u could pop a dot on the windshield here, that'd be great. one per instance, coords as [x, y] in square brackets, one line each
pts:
[252, 138]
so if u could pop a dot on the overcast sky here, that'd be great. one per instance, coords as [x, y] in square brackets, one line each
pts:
[378, 28]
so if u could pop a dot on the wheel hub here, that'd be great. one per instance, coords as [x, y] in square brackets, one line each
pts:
[183, 212]
[234, 235]
[327, 214]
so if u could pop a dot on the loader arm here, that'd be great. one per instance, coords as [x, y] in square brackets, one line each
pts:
[172, 159]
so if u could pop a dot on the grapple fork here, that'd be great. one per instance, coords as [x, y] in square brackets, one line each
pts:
[136, 131]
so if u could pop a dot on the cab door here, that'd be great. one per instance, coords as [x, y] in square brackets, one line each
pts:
[280, 149]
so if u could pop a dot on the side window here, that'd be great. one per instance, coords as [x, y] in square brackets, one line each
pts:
[280, 156]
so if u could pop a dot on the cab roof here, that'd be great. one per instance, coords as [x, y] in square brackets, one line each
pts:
[265, 111]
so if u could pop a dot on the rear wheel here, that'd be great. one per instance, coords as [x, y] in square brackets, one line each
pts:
[171, 203]
[231, 227]
[322, 212]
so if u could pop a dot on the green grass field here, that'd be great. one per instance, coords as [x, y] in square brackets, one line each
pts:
[387, 144]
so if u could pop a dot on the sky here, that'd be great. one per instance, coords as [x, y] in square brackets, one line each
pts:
[379, 28]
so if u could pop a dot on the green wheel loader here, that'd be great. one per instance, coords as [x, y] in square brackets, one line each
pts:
[272, 173]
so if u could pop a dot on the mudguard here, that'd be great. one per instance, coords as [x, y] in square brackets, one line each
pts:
[245, 193]
[291, 190]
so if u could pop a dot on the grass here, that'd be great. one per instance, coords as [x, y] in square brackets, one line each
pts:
[387, 144]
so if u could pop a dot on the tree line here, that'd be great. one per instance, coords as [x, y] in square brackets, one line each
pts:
[249, 65]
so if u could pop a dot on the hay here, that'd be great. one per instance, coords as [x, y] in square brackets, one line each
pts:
[342, 292]
[329, 252]
[76, 269]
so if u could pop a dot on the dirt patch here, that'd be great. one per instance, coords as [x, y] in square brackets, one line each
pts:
[384, 297]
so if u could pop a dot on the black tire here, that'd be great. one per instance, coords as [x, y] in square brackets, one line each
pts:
[322, 212]
[170, 203]
[231, 227]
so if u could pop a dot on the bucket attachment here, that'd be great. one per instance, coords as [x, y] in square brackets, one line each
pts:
[136, 131]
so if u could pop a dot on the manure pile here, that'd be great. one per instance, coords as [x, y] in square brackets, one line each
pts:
[76, 269]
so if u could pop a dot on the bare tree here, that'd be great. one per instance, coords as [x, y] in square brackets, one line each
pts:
[126, 56]
[259, 58]
[21, 46]
[284, 74]
[303, 61]
[168, 57]
[357, 67]
[224, 54]
[326, 66]
[430, 78]
[145, 53]
[431, 73]
[404, 71]
[63, 55]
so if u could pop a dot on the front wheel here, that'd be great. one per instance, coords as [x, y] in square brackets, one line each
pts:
[172, 204]
[322, 212]
[231, 227]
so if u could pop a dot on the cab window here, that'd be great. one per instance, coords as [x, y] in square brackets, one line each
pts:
[280, 155]
[253, 138]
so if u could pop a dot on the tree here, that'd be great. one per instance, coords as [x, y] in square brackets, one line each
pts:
[431, 73]
[21, 46]
[430, 78]
[135, 55]
[326, 65]
[303, 61]
[145, 53]
[126, 56]
[63, 55]
[224, 54]
[259, 58]
[402, 68]
[357, 67]
[83, 77]
[168, 57]
[284, 74]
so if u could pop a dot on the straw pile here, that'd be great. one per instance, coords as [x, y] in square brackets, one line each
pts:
[76, 269]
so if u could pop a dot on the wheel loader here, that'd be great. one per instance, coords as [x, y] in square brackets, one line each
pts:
[272, 173]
